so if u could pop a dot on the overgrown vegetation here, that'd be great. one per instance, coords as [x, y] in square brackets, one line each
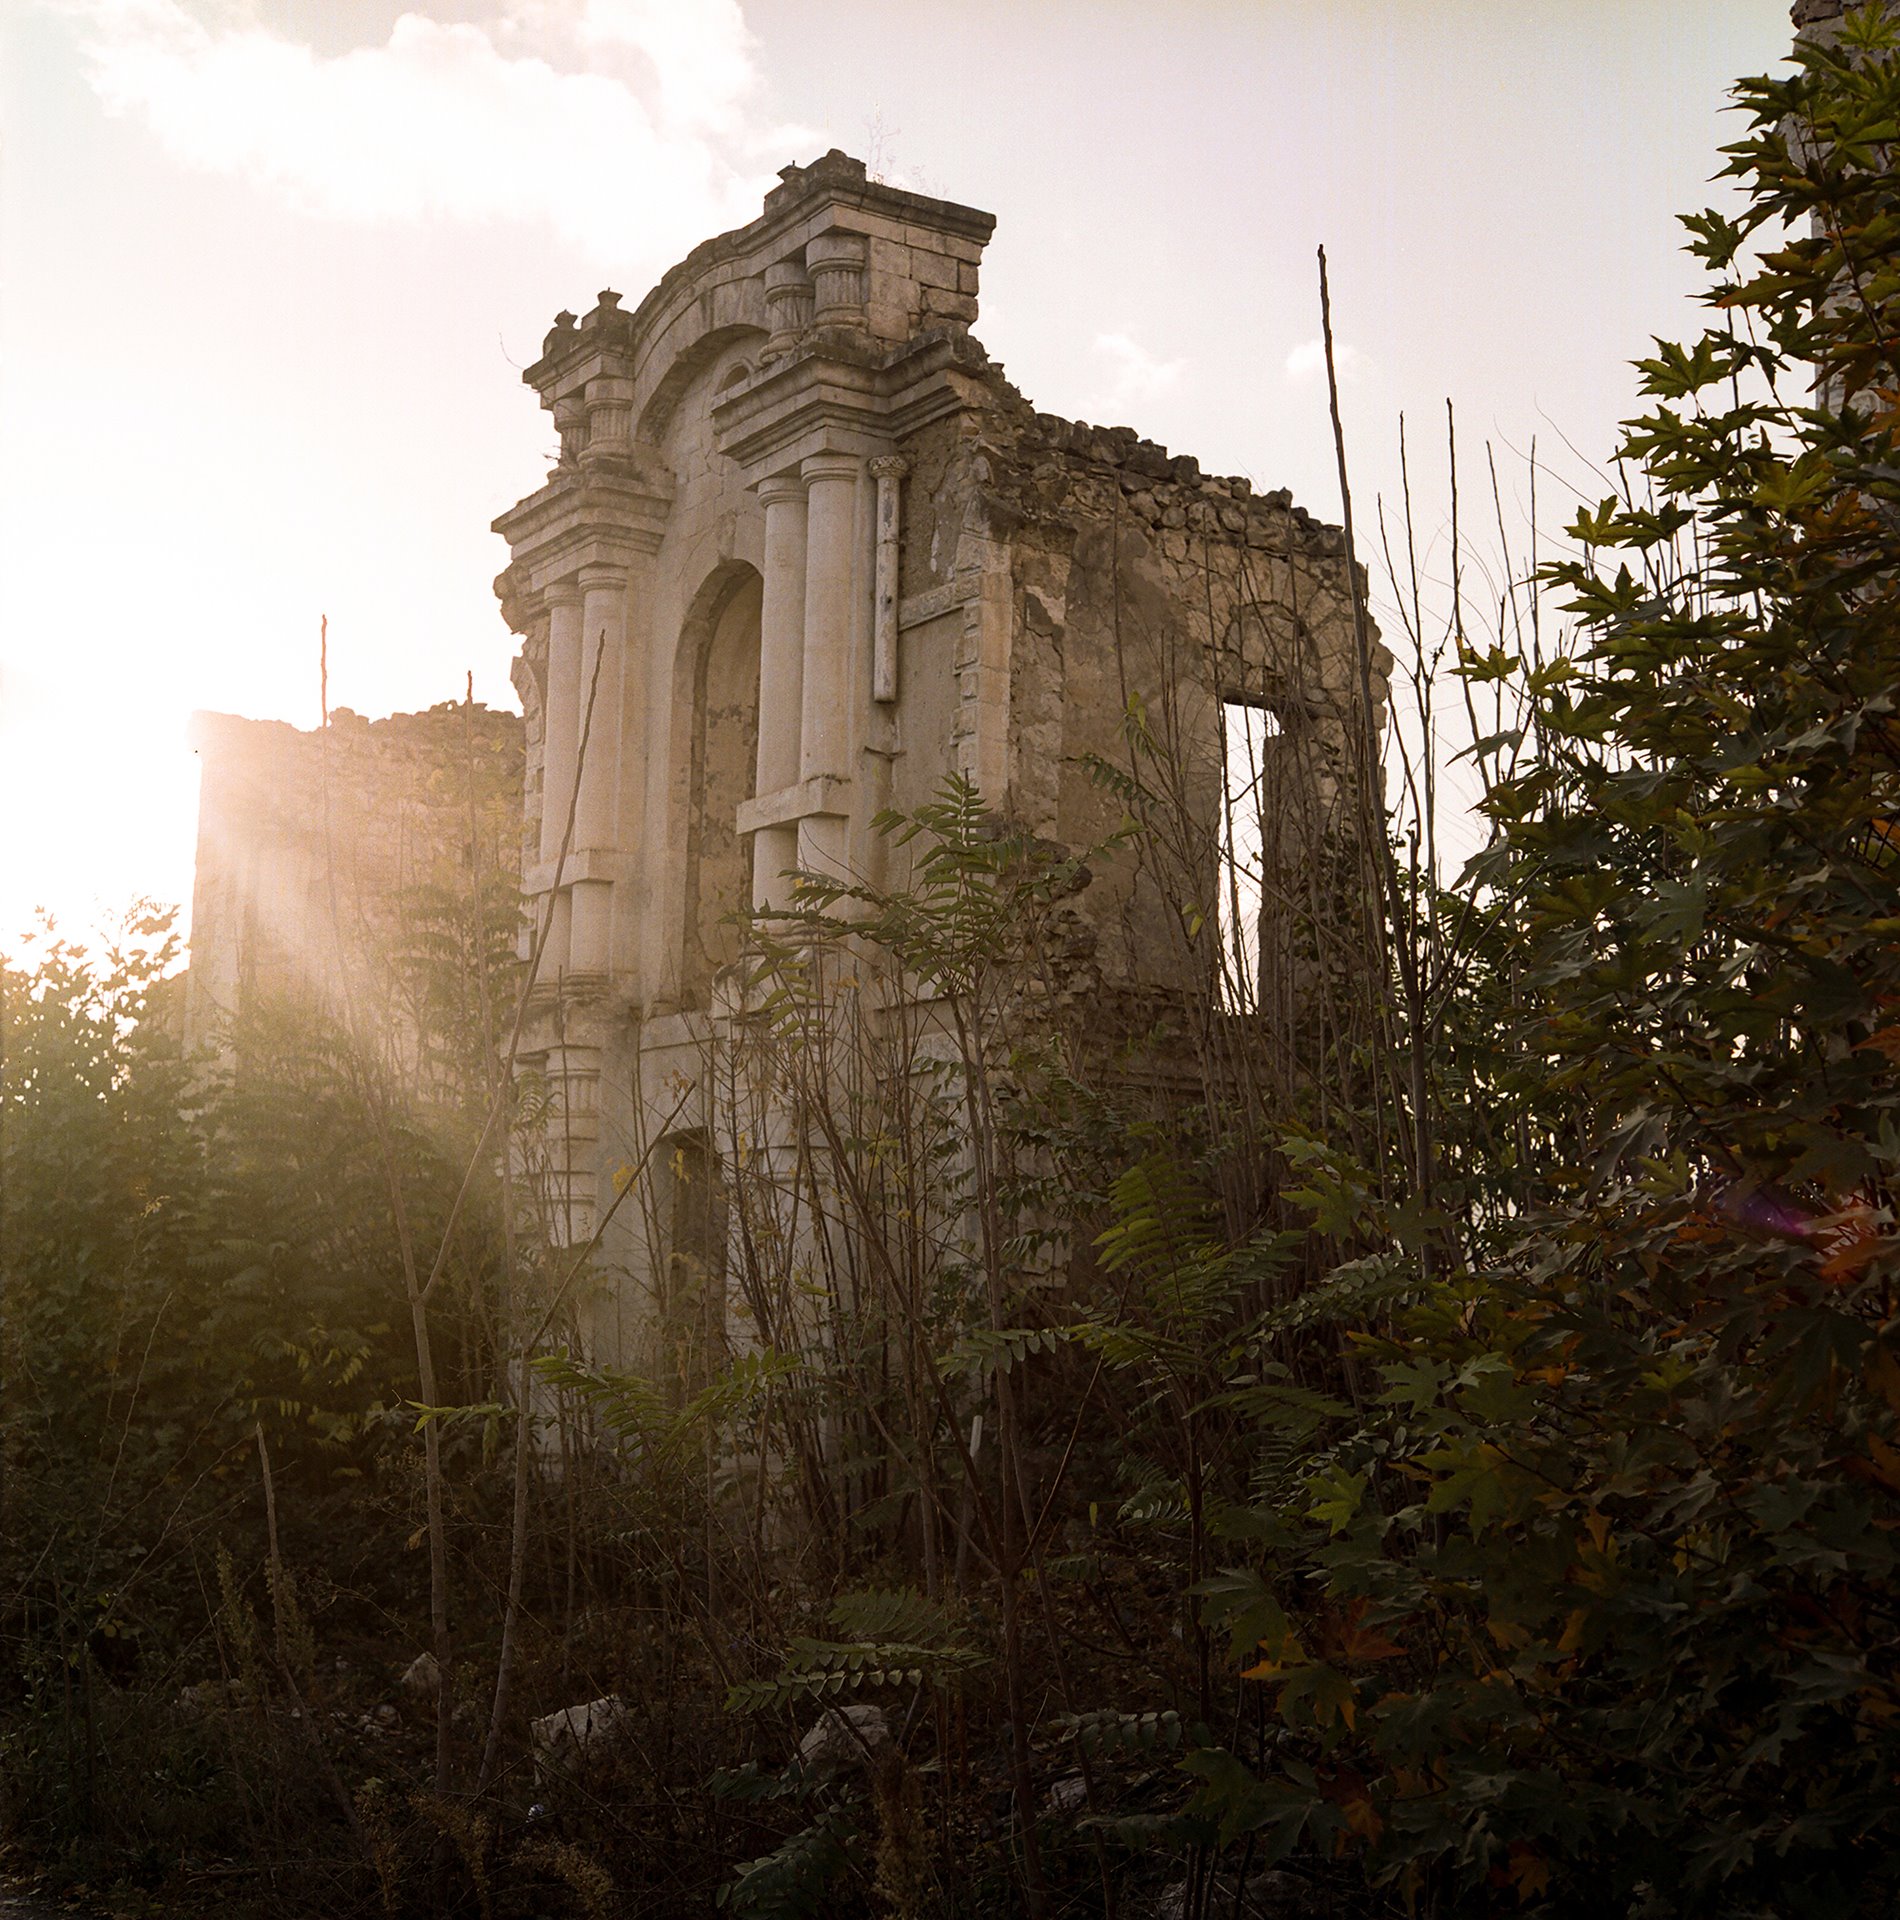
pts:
[1422, 1442]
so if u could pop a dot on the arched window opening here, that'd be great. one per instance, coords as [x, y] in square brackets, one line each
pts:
[725, 750]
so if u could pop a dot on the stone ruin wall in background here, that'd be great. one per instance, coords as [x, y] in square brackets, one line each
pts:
[376, 810]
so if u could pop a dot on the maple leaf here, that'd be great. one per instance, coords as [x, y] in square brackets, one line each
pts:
[1362, 1818]
[1847, 1241]
[1525, 1871]
[1358, 1643]
[1529, 1871]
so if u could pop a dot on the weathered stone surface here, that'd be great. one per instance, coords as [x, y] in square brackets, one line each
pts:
[421, 1677]
[566, 1741]
[313, 848]
[847, 1736]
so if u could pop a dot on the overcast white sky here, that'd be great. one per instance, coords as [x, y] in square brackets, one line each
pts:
[268, 269]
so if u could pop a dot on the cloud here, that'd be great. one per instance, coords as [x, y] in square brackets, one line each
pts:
[1307, 361]
[1132, 374]
[700, 52]
[624, 124]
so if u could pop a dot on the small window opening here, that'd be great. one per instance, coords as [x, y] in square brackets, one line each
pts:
[1248, 730]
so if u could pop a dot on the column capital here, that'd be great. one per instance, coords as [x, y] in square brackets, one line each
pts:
[830, 466]
[889, 466]
[835, 245]
[562, 593]
[602, 573]
[776, 489]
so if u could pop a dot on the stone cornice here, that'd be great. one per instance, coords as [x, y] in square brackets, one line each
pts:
[835, 262]
[833, 185]
[821, 403]
[590, 518]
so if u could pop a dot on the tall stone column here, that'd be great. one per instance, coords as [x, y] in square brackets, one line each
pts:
[560, 743]
[781, 676]
[888, 469]
[831, 492]
[603, 637]
[573, 1070]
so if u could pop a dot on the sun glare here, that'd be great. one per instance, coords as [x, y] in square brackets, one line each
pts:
[103, 796]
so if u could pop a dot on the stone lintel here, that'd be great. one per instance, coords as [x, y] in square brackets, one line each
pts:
[823, 796]
[583, 863]
[934, 602]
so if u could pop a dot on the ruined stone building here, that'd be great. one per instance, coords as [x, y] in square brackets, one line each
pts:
[804, 555]
[319, 852]
[807, 552]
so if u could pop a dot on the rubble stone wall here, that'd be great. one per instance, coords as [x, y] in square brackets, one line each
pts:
[313, 847]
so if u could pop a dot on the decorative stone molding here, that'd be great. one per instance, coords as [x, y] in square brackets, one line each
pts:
[778, 488]
[835, 262]
[570, 420]
[560, 336]
[829, 466]
[788, 302]
[609, 418]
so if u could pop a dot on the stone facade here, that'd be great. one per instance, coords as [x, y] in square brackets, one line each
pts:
[314, 850]
[807, 552]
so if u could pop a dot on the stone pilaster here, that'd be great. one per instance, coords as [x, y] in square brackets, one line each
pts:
[781, 676]
[888, 470]
[603, 648]
[560, 748]
[825, 729]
